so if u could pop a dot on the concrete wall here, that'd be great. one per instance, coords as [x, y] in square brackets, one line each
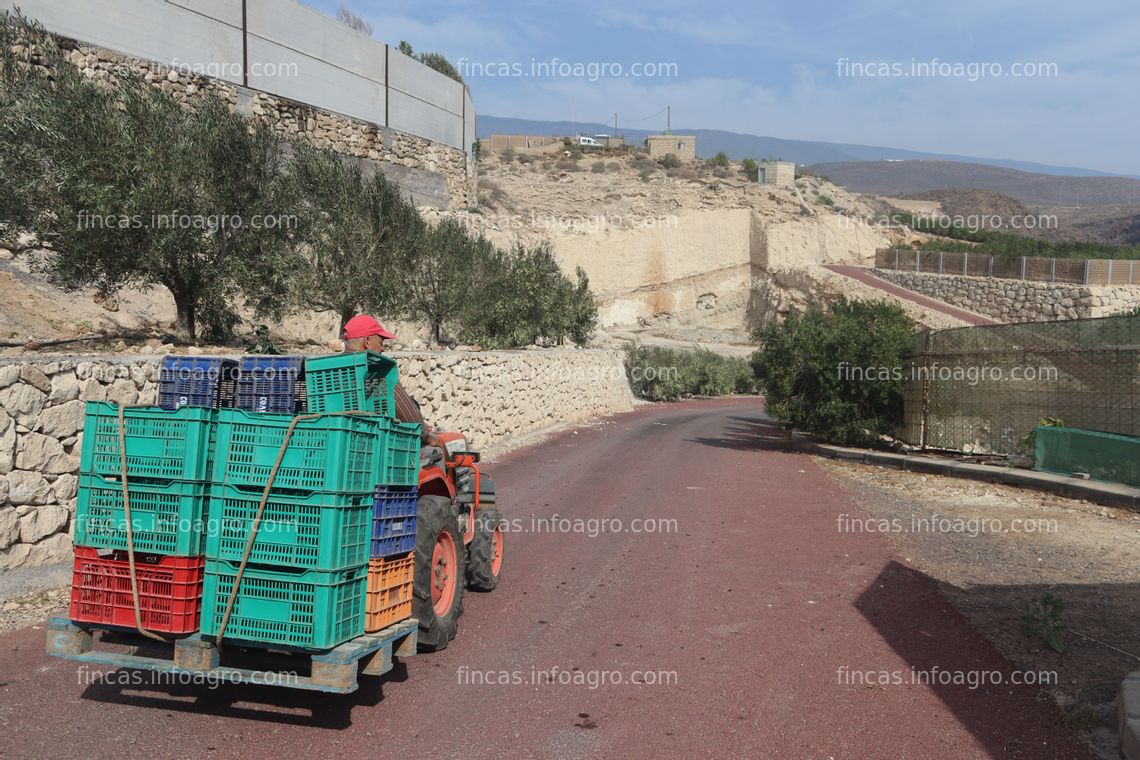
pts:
[1019, 300]
[491, 396]
[307, 75]
[683, 147]
[778, 173]
[700, 267]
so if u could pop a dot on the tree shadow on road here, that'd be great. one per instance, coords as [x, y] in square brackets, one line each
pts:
[751, 433]
[912, 615]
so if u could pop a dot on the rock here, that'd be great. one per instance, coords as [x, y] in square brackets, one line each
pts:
[92, 390]
[64, 387]
[122, 391]
[65, 487]
[28, 488]
[9, 527]
[7, 443]
[63, 421]
[23, 402]
[42, 522]
[6, 255]
[35, 377]
[51, 550]
[42, 453]
[9, 374]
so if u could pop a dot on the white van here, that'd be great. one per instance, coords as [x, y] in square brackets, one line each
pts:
[589, 142]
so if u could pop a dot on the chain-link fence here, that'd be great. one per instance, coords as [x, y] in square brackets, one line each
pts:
[984, 389]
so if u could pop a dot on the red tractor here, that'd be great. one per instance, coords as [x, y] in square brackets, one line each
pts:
[459, 538]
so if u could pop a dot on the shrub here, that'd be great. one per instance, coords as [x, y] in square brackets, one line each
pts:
[750, 168]
[598, 167]
[575, 153]
[507, 155]
[613, 166]
[813, 369]
[670, 161]
[525, 158]
[664, 374]
[566, 165]
[644, 163]
[644, 175]
[826, 199]
[720, 159]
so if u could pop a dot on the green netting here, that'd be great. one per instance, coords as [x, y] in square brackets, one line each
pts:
[984, 389]
[1101, 456]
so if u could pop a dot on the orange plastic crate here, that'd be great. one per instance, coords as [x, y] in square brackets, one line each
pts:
[389, 594]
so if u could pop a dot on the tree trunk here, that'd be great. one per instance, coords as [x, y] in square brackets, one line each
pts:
[436, 330]
[185, 327]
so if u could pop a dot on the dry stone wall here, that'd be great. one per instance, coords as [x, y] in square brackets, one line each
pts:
[491, 396]
[1018, 300]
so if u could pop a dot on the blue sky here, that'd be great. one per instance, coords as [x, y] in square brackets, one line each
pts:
[777, 69]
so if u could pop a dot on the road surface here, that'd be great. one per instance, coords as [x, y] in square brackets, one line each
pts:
[754, 627]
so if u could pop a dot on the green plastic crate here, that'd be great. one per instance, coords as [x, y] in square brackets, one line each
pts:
[167, 517]
[326, 532]
[172, 444]
[362, 381]
[335, 453]
[400, 455]
[302, 610]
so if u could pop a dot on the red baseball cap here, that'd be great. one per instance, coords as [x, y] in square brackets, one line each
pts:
[363, 325]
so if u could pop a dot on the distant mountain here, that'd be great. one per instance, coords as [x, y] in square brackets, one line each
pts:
[1031, 188]
[738, 146]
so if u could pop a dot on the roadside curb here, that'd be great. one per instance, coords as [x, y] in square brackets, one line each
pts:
[1108, 494]
[1130, 716]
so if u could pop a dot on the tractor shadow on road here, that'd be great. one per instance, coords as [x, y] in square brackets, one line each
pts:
[959, 665]
[753, 433]
[261, 704]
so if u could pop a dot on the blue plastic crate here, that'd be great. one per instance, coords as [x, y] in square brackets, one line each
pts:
[394, 521]
[204, 381]
[271, 384]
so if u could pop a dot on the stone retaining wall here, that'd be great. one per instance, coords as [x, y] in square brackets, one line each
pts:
[1018, 300]
[490, 395]
[434, 174]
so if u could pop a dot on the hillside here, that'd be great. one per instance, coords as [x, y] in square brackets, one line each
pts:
[905, 178]
[740, 145]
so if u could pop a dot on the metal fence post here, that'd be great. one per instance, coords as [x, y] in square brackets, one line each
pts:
[941, 256]
[1086, 272]
[966, 263]
[896, 259]
[1109, 271]
[1052, 270]
[991, 265]
[1022, 268]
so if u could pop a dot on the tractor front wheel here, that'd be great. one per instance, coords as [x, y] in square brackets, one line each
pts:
[437, 594]
[485, 563]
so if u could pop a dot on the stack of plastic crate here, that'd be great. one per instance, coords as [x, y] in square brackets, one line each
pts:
[164, 473]
[365, 382]
[306, 570]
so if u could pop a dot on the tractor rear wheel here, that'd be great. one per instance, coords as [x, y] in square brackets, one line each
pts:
[485, 562]
[437, 592]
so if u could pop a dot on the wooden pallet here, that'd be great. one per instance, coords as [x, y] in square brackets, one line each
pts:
[333, 671]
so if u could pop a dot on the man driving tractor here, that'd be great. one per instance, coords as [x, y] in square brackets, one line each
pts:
[364, 333]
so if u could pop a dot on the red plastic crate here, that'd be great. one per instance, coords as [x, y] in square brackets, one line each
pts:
[389, 591]
[170, 590]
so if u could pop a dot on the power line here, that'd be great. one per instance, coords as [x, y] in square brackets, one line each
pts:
[638, 121]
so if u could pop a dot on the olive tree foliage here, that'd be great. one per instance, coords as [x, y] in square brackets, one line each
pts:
[130, 188]
[355, 237]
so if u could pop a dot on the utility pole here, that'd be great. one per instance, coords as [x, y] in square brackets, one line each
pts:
[615, 125]
[668, 120]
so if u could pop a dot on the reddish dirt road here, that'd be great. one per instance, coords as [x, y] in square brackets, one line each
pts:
[757, 618]
[865, 276]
